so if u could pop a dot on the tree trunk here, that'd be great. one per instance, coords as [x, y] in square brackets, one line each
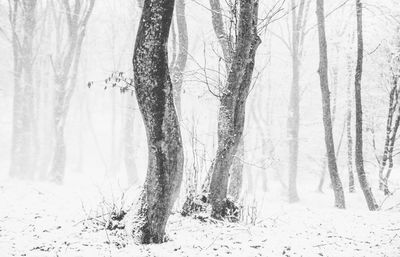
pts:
[181, 59]
[224, 39]
[22, 163]
[236, 173]
[348, 132]
[293, 131]
[362, 177]
[58, 162]
[154, 92]
[232, 104]
[326, 108]
[390, 152]
[299, 16]
[389, 122]
[66, 73]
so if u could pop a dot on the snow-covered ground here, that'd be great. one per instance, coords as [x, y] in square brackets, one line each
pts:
[41, 219]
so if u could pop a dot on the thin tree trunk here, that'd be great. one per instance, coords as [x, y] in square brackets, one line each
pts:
[293, 131]
[362, 177]
[389, 122]
[348, 132]
[390, 153]
[326, 108]
[299, 17]
[181, 59]
[236, 173]
[154, 92]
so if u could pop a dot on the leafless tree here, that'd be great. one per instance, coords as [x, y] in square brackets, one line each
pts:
[23, 20]
[154, 92]
[362, 177]
[240, 65]
[65, 62]
[392, 120]
[299, 19]
[179, 63]
[326, 108]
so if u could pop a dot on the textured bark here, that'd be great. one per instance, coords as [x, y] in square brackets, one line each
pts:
[154, 92]
[65, 68]
[23, 22]
[236, 173]
[226, 43]
[333, 88]
[232, 104]
[326, 108]
[362, 177]
[181, 59]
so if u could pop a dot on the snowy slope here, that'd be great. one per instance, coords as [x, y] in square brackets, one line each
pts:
[40, 219]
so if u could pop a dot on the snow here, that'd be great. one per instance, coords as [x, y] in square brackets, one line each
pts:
[42, 219]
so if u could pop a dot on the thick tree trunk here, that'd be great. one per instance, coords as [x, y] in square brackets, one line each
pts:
[362, 177]
[326, 108]
[236, 173]
[154, 92]
[232, 104]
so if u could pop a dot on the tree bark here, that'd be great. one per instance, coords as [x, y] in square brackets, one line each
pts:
[181, 59]
[362, 177]
[154, 92]
[232, 104]
[326, 108]
[236, 173]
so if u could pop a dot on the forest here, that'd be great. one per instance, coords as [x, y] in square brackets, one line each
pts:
[199, 128]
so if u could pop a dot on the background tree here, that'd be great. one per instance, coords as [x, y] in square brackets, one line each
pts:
[179, 63]
[393, 116]
[326, 108]
[154, 92]
[299, 15]
[23, 20]
[65, 62]
[349, 114]
[362, 177]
